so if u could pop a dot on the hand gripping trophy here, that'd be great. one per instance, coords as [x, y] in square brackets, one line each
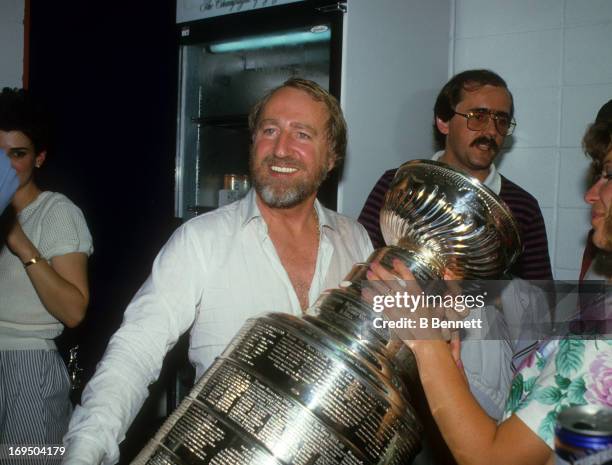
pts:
[324, 389]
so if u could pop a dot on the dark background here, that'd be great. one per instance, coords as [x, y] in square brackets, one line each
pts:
[108, 73]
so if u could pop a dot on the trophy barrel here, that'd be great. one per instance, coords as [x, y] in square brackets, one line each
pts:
[286, 392]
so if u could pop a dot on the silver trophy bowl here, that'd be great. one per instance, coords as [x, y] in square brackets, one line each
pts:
[443, 218]
[329, 388]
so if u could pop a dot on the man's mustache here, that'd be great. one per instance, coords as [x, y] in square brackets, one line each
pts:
[285, 161]
[485, 140]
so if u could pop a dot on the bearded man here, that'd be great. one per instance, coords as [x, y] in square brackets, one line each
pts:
[276, 249]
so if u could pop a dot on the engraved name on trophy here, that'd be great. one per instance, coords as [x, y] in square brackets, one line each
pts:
[323, 389]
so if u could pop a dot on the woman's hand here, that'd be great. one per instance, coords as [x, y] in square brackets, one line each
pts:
[397, 287]
[19, 244]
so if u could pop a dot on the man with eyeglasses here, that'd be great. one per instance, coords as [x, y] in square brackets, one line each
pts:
[473, 114]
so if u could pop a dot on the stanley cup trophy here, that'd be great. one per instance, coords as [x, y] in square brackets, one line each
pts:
[323, 389]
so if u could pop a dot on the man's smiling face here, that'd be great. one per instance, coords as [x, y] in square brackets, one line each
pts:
[290, 156]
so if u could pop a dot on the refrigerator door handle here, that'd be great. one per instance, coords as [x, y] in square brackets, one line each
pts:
[338, 6]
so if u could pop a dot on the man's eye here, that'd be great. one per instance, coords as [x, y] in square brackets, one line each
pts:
[303, 135]
[268, 131]
[502, 118]
[503, 122]
[477, 116]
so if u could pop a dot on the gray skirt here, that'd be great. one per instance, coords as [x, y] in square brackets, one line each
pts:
[35, 406]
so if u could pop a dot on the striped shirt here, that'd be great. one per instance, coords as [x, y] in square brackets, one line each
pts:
[532, 264]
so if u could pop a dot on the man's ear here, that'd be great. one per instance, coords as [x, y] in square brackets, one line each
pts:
[331, 161]
[442, 125]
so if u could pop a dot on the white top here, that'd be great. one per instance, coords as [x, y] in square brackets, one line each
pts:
[216, 271]
[56, 227]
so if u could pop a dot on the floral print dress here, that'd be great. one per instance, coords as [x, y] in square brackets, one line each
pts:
[561, 373]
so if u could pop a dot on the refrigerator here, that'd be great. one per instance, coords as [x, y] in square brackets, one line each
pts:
[230, 53]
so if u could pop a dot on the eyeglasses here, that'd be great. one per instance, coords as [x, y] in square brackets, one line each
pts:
[477, 120]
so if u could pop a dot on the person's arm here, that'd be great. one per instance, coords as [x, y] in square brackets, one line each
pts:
[161, 311]
[8, 181]
[61, 284]
[471, 435]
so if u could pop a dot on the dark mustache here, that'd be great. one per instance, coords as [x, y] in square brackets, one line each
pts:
[485, 140]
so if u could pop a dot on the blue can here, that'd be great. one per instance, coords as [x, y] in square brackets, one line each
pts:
[583, 436]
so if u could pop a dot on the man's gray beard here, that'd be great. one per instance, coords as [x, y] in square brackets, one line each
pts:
[284, 199]
[286, 196]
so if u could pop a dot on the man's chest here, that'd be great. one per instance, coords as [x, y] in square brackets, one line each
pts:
[299, 260]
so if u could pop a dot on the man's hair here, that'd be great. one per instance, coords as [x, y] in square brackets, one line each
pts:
[20, 112]
[597, 142]
[336, 125]
[452, 93]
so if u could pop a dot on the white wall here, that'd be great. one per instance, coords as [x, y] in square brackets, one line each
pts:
[11, 43]
[554, 54]
[395, 60]
[556, 57]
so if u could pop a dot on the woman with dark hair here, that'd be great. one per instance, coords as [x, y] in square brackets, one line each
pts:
[43, 284]
[571, 371]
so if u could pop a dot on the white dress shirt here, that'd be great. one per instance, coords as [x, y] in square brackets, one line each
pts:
[216, 271]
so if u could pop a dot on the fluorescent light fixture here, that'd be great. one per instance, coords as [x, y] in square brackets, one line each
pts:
[252, 43]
